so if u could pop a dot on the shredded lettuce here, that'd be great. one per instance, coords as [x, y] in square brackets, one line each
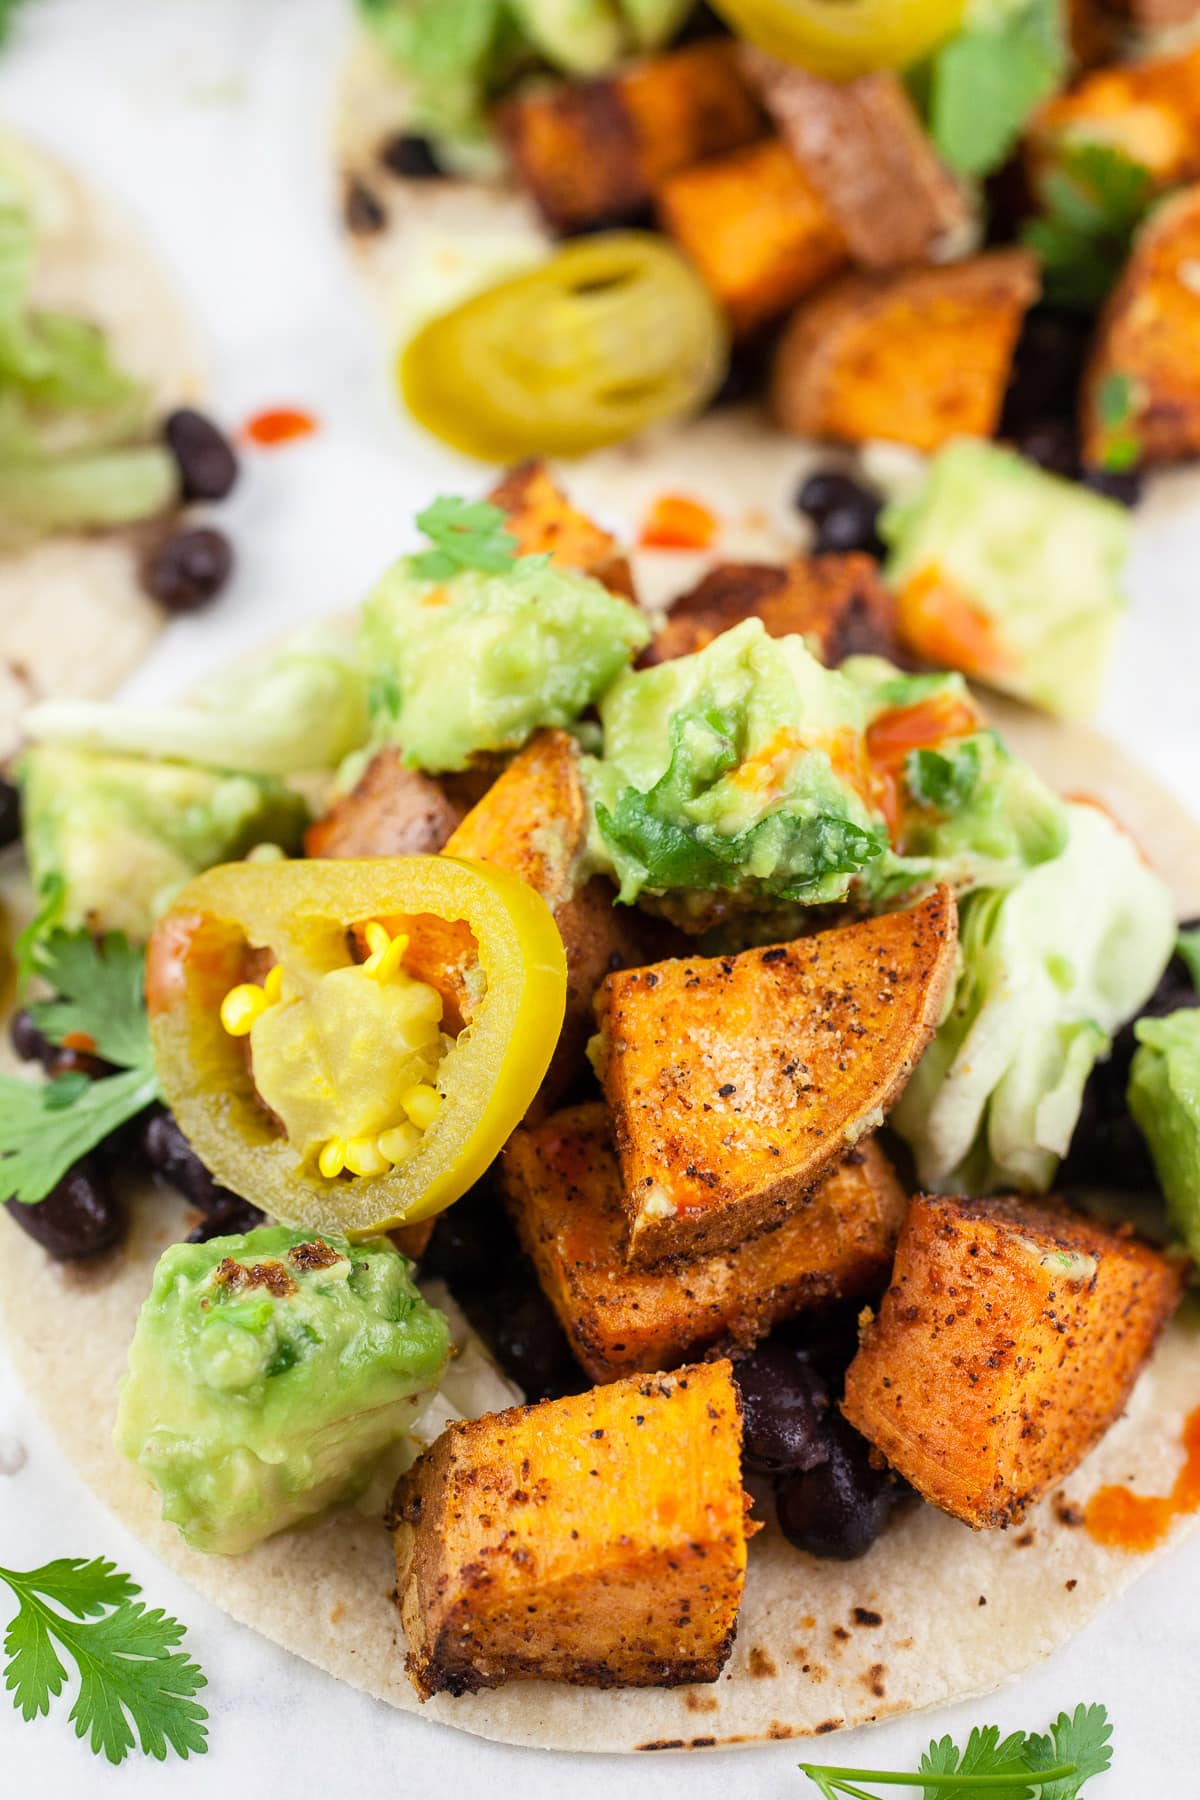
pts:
[1050, 968]
[303, 709]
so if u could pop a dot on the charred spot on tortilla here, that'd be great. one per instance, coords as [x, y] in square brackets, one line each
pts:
[362, 209]
[863, 1615]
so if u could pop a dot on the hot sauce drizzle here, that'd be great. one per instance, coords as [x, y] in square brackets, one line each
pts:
[1124, 1520]
[278, 425]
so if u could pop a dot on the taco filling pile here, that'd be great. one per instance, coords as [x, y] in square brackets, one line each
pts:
[736, 1030]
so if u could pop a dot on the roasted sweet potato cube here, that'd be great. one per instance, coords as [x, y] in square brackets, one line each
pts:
[863, 148]
[599, 1540]
[1147, 346]
[1154, 15]
[593, 152]
[533, 822]
[837, 602]
[735, 1082]
[394, 811]
[920, 357]
[542, 519]
[1004, 1349]
[1148, 109]
[564, 1192]
[756, 230]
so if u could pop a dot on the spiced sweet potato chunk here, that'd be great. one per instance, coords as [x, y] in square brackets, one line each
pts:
[1147, 345]
[758, 233]
[599, 1540]
[1004, 1349]
[593, 152]
[735, 1082]
[863, 149]
[392, 811]
[564, 1191]
[533, 822]
[837, 602]
[1148, 109]
[920, 356]
[543, 521]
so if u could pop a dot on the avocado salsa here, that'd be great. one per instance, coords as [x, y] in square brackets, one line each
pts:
[353, 1045]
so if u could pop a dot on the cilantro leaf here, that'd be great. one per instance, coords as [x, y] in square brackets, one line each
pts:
[987, 80]
[1093, 199]
[1082, 1739]
[1056, 1766]
[132, 1678]
[985, 1754]
[944, 781]
[1187, 948]
[45, 1129]
[100, 989]
[468, 534]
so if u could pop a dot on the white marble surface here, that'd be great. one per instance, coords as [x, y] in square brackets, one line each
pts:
[210, 118]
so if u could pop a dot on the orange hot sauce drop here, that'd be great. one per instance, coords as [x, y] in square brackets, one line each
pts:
[1124, 1520]
[278, 425]
[678, 523]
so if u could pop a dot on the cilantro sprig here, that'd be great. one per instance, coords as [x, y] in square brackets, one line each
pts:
[132, 1677]
[45, 1127]
[1054, 1765]
[1093, 198]
[466, 534]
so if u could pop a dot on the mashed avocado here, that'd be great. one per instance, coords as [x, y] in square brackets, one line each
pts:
[123, 833]
[1010, 574]
[968, 812]
[269, 1374]
[739, 769]
[480, 661]
[1164, 1098]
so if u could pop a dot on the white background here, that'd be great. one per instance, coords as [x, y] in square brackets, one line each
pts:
[210, 119]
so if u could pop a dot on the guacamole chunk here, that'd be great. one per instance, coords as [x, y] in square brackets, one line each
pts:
[122, 833]
[1012, 575]
[1164, 1098]
[738, 769]
[269, 1374]
[961, 808]
[480, 661]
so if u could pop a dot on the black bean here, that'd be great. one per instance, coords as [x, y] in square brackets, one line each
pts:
[851, 527]
[1122, 485]
[1107, 1149]
[1053, 445]
[170, 1155]
[78, 1218]
[10, 812]
[838, 1508]
[528, 1342]
[231, 1221]
[785, 1410]
[473, 1246]
[189, 569]
[1046, 372]
[825, 491]
[30, 1044]
[207, 465]
[408, 153]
